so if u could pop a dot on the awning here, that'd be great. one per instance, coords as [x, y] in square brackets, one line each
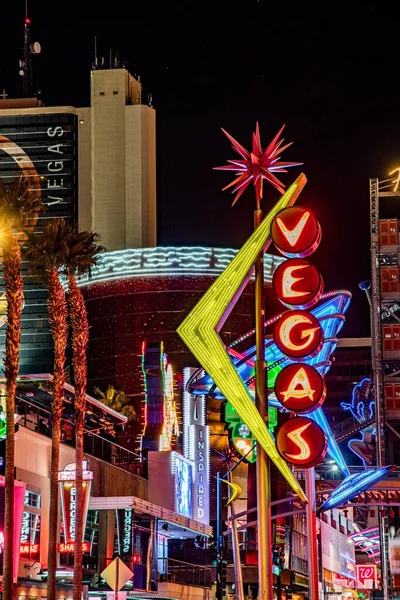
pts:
[148, 508]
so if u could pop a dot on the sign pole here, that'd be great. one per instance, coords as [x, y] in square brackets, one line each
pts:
[116, 579]
[264, 531]
[312, 535]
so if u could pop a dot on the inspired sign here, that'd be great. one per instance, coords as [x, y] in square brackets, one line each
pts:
[301, 442]
[66, 480]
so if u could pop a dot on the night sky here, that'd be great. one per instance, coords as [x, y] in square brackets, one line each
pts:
[329, 71]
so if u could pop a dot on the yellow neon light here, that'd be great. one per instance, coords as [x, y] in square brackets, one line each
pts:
[289, 280]
[236, 491]
[305, 391]
[397, 182]
[292, 235]
[304, 448]
[199, 332]
[287, 326]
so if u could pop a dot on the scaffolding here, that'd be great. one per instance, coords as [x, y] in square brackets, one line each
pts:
[376, 189]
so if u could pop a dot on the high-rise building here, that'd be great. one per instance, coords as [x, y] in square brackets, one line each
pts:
[117, 162]
[94, 166]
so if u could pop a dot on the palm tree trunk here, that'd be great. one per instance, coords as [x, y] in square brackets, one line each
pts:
[58, 314]
[80, 339]
[14, 294]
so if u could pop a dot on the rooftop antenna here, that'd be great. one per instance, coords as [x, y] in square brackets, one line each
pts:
[26, 64]
[95, 64]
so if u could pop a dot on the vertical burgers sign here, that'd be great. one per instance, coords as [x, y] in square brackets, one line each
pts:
[66, 479]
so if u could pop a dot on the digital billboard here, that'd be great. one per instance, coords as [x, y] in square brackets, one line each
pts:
[183, 487]
[44, 148]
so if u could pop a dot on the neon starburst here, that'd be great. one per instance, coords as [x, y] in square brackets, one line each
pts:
[257, 165]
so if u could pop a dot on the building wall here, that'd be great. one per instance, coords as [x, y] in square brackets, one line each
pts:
[85, 214]
[32, 461]
[140, 165]
[123, 162]
[108, 156]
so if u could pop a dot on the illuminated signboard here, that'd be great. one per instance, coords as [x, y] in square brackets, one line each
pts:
[297, 282]
[66, 480]
[200, 328]
[298, 334]
[124, 518]
[355, 484]
[366, 575]
[296, 232]
[183, 485]
[301, 442]
[70, 547]
[300, 388]
[28, 550]
[196, 445]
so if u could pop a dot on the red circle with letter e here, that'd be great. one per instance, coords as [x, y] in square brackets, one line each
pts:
[298, 283]
[298, 334]
[301, 442]
[300, 388]
[296, 232]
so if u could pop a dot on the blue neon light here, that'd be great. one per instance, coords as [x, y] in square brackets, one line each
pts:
[362, 405]
[355, 484]
[333, 448]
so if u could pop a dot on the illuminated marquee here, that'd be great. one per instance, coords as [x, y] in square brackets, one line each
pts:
[301, 442]
[200, 330]
[300, 388]
[66, 480]
[298, 334]
[297, 283]
[70, 547]
[296, 232]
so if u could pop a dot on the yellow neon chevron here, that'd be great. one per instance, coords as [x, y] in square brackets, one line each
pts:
[236, 491]
[199, 332]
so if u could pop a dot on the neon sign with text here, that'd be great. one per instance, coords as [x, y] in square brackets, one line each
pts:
[296, 232]
[297, 283]
[300, 388]
[301, 442]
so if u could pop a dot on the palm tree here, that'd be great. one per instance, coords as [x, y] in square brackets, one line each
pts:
[83, 254]
[20, 206]
[46, 254]
[118, 401]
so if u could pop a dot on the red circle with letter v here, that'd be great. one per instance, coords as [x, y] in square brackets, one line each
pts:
[296, 232]
[301, 442]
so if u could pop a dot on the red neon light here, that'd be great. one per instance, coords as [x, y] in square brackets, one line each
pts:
[27, 549]
[301, 442]
[298, 283]
[298, 334]
[296, 232]
[300, 388]
[366, 573]
[70, 547]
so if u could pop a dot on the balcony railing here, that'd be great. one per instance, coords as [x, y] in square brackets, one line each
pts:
[39, 419]
[176, 571]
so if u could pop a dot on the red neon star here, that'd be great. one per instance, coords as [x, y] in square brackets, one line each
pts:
[257, 165]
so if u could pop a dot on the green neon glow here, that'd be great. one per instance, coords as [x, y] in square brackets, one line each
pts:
[199, 332]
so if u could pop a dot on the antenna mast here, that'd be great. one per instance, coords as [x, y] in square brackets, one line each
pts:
[27, 78]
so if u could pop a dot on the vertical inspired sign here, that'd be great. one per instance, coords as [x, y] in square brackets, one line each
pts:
[125, 531]
[67, 485]
[197, 448]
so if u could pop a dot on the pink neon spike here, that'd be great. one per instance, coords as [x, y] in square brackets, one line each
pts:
[257, 166]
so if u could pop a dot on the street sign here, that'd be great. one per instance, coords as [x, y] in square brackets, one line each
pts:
[117, 574]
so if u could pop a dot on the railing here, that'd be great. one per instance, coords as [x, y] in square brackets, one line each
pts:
[39, 419]
[349, 427]
[176, 571]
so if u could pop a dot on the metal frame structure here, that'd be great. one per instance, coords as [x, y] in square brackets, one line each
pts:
[376, 192]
